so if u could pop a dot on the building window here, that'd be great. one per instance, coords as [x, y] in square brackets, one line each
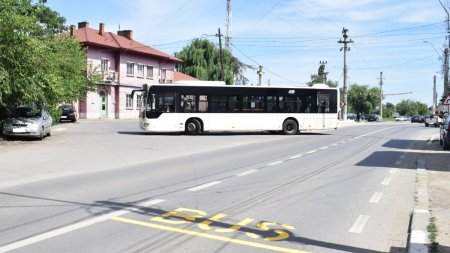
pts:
[140, 70]
[150, 72]
[130, 68]
[129, 103]
[104, 65]
[163, 75]
[139, 101]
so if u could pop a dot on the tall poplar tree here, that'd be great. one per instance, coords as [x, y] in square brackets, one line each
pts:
[201, 59]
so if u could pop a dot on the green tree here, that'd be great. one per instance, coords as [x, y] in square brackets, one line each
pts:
[362, 99]
[38, 63]
[201, 59]
[410, 107]
[388, 110]
[318, 79]
[390, 106]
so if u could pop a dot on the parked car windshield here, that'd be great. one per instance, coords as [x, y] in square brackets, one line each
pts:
[25, 112]
[67, 108]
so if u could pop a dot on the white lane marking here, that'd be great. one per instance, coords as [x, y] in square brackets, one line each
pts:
[359, 224]
[312, 151]
[386, 181]
[393, 170]
[376, 197]
[73, 227]
[402, 157]
[296, 156]
[384, 129]
[246, 173]
[333, 145]
[274, 163]
[398, 162]
[324, 148]
[203, 186]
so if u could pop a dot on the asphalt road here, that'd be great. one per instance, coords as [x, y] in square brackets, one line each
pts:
[104, 186]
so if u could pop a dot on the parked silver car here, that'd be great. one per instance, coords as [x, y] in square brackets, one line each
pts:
[28, 122]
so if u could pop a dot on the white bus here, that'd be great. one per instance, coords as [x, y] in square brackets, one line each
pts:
[194, 107]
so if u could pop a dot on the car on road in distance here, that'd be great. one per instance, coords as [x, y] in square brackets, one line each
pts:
[351, 116]
[373, 118]
[400, 118]
[433, 120]
[417, 119]
[68, 113]
[444, 137]
[28, 122]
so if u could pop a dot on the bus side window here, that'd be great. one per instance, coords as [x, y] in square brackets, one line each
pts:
[188, 103]
[203, 103]
[281, 104]
[271, 104]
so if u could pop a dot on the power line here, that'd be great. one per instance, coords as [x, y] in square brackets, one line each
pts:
[268, 70]
[401, 29]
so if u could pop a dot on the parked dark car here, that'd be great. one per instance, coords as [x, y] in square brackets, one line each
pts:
[372, 117]
[417, 119]
[68, 113]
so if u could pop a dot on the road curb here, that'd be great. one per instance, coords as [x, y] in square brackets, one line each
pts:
[418, 238]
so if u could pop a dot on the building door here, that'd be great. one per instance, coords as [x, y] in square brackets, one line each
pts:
[103, 104]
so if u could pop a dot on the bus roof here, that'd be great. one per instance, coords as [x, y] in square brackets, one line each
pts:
[222, 84]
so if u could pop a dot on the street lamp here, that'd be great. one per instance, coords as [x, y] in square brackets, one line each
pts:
[439, 56]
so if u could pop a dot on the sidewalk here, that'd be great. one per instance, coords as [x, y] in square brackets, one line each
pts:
[438, 169]
[433, 195]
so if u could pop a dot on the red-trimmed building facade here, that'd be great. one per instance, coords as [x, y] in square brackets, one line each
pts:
[124, 65]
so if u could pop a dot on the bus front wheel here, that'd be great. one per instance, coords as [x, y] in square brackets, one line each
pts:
[193, 127]
[290, 127]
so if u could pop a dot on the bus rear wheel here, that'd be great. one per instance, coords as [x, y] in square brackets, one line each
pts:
[193, 127]
[290, 127]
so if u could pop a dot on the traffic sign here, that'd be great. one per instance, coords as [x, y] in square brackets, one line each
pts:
[447, 100]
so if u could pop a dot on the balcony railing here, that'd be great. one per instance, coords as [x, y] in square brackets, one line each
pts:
[110, 76]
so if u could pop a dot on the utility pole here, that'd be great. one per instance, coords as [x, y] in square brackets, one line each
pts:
[445, 72]
[381, 95]
[345, 48]
[434, 94]
[222, 73]
[446, 67]
[228, 25]
[260, 74]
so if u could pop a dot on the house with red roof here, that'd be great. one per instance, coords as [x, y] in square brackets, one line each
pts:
[125, 65]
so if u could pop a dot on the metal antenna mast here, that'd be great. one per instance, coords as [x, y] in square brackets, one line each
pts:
[228, 26]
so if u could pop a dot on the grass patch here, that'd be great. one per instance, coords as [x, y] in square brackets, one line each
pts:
[433, 232]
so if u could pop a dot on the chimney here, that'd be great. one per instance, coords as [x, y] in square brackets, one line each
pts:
[72, 28]
[83, 24]
[101, 29]
[126, 33]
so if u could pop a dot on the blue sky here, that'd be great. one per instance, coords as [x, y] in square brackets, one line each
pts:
[290, 37]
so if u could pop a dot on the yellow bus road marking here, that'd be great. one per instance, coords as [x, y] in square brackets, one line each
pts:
[209, 236]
